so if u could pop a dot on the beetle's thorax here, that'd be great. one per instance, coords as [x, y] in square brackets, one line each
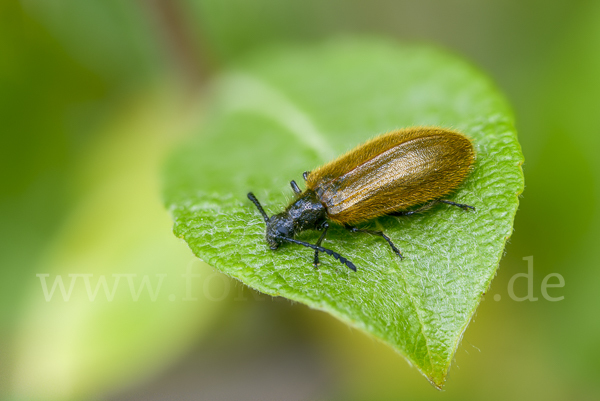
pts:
[305, 213]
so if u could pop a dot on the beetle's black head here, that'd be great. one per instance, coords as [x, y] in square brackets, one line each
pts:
[305, 213]
[279, 225]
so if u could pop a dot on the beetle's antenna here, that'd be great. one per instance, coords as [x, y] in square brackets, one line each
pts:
[321, 249]
[295, 187]
[258, 206]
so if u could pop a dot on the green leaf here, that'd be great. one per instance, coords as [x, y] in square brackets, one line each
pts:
[288, 110]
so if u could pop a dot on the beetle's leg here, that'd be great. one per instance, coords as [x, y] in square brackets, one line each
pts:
[381, 234]
[405, 213]
[295, 187]
[325, 227]
[411, 212]
[460, 205]
[429, 206]
[305, 175]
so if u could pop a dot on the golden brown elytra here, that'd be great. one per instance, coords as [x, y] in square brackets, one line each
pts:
[389, 174]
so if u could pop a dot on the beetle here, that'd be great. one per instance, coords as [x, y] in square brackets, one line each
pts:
[388, 175]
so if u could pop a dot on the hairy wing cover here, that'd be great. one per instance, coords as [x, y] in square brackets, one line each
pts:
[392, 172]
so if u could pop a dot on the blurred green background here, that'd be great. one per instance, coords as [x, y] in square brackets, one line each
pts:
[94, 94]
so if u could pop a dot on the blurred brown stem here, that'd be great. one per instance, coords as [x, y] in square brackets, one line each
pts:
[186, 53]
